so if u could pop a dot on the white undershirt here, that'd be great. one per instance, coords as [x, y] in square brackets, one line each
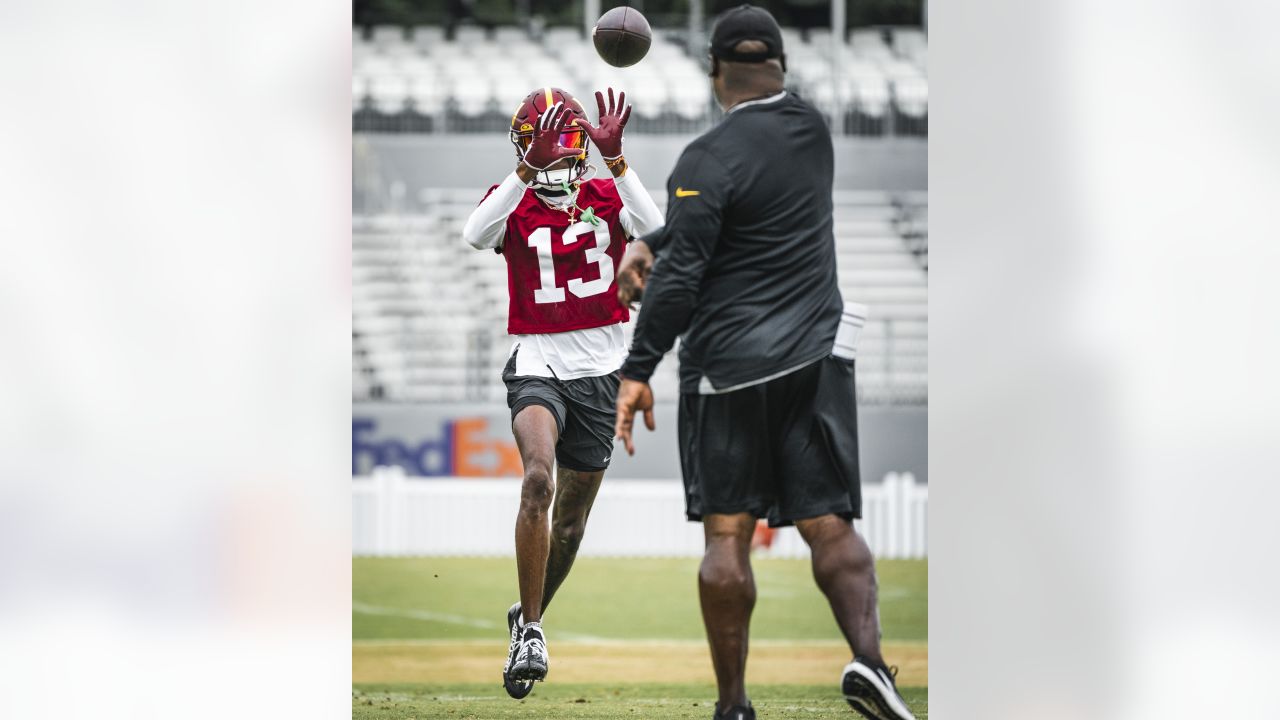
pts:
[570, 355]
[576, 353]
[852, 319]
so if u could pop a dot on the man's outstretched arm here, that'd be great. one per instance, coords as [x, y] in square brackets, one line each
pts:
[699, 193]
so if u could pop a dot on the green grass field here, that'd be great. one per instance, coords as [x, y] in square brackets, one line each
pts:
[625, 636]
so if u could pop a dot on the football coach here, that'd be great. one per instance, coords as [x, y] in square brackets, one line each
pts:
[744, 272]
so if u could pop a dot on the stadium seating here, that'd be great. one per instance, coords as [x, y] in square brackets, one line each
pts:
[429, 313]
[473, 81]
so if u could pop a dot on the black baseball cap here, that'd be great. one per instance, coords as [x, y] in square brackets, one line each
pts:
[746, 22]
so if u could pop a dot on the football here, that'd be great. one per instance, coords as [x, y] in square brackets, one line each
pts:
[622, 36]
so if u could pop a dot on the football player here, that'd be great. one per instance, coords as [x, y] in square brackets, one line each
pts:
[562, 233]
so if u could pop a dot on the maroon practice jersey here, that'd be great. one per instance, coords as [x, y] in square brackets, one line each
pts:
[561, 274]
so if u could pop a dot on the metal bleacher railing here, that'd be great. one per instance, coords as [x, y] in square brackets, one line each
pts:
[874, 83]
[429, 313]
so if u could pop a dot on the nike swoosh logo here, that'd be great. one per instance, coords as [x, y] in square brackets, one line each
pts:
[681, 192]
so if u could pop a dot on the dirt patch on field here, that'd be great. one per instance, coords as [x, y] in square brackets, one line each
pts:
[770, 663]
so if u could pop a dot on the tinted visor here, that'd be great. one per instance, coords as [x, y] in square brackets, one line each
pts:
[574, 139]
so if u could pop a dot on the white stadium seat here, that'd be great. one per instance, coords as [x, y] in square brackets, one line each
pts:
[509, 35]
[428, 96]
[912, 95]
[416, 69]
[559, 37]
[509, 91]
[650, 96]
[473, 95]
[375, 65]
[359, 89]
[385, 36]
[871, 95]
[469, 35]
[389, 92]
[899, 69]
[866, 39]
[908, 41]
[426, 37]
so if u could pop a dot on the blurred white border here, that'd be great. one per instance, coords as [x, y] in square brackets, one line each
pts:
[174, 495]
[1103, 183]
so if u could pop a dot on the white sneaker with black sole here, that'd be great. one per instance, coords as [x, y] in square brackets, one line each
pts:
[532, 660]
[870, 689]
[517, 689]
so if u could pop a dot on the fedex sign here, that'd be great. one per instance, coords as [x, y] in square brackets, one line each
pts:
[451, 446]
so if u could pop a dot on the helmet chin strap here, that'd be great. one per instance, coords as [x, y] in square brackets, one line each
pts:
[547, 186]
[564, 197]
[561, 197]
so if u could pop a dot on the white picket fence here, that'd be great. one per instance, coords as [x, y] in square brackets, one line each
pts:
[397, 515]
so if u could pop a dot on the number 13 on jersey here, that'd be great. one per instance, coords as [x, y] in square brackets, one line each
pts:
[550, 292]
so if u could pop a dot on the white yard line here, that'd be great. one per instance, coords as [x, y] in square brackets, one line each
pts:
[452, 619]
[571, 637]
[427, 615]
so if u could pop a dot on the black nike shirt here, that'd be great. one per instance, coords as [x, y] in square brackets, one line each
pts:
[745, 272]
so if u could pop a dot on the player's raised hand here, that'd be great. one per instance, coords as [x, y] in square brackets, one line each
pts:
[634, 272]
[633, 395]
[607, 135]
[545, 149]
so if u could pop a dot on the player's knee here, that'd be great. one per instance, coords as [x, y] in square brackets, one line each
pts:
[718, 575]
[569, 534]
[537, 490]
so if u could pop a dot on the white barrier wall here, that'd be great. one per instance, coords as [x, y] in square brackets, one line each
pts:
[396, 515]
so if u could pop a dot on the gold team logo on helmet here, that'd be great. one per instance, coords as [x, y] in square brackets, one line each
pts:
[526, 128]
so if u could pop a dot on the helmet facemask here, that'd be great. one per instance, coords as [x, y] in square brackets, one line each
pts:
[563, 181]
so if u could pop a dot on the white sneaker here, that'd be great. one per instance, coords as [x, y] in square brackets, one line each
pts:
[870, 689]
[518, 689]
[532, 660]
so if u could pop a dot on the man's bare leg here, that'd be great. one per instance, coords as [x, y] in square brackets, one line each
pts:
[727, 590]
[575, 494]
[846, 573]
[536, 434]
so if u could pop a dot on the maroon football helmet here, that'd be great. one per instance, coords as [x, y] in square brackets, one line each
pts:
[526, 118]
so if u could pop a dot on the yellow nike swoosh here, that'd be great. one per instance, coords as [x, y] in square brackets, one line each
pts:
[681, 192]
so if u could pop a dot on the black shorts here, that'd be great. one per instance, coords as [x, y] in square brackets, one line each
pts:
[785, 450]
[584, 408]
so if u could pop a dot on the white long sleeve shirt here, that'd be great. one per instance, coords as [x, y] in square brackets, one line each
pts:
[577, 353]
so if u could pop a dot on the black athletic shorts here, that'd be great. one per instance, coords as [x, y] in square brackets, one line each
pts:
[584, 408]
[785, 450]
